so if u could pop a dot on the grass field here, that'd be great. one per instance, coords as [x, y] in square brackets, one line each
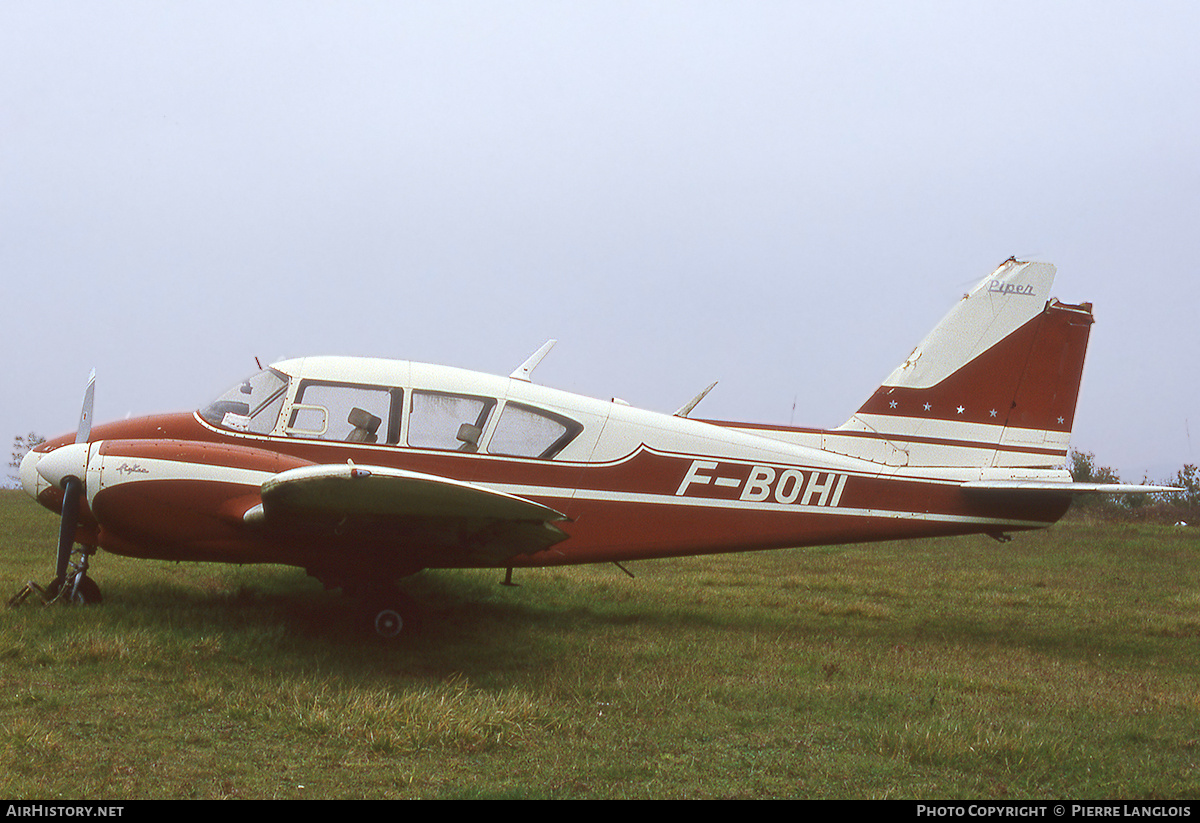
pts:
[1061, 665]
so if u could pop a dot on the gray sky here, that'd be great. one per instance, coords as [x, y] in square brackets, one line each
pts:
[782, 196]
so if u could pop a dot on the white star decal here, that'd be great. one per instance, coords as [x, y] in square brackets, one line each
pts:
[961, 409]
[928, 407]
[892, 405]
[992, 413]
[1061, 421]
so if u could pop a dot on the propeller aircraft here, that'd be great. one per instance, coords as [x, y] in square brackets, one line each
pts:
[365, 471]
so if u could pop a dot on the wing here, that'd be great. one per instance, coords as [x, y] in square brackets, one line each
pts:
[446, 522]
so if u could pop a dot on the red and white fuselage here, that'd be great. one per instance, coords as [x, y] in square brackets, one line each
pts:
[341, 464]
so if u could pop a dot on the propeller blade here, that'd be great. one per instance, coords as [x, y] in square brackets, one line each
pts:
[72, 487]
[84, 431]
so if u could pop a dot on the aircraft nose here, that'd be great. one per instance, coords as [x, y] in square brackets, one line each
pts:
[63, 462]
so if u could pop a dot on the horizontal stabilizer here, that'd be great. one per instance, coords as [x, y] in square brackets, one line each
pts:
[1068, 487]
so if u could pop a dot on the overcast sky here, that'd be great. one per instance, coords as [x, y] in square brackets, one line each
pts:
[783, 196]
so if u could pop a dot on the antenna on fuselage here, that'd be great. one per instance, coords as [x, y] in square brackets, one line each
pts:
[687, 407]
[525, 369]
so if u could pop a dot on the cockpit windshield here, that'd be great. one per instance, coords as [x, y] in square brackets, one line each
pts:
[250, 406]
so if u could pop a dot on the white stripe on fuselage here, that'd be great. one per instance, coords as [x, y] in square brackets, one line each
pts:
[780, 493]
[116, 470]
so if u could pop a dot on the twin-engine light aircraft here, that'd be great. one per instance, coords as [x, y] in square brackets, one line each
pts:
[365, 471]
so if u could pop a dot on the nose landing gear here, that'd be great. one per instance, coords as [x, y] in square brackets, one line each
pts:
[72, 587]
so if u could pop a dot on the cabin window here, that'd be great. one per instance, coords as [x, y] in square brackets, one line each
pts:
[345, 412]
[250, 406]
[523, 431]
[438, 420]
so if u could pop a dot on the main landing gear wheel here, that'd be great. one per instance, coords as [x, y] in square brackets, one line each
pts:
[391, 614]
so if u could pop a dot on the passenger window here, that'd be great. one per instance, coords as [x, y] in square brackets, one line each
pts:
[523, 431]
[339, 411]
[438, 420]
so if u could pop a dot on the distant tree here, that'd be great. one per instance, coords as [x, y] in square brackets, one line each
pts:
[1188, 479]
[21, 446]
[1084, 470]
[1167, 507]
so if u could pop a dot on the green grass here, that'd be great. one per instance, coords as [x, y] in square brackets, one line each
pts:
[1061, 665]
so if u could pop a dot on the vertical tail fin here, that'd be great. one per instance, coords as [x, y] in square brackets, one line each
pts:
[993, 385]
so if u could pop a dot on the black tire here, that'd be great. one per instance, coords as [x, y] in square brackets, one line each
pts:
[391, 615]
[51, 590]
[87, 593]
[389, 623]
